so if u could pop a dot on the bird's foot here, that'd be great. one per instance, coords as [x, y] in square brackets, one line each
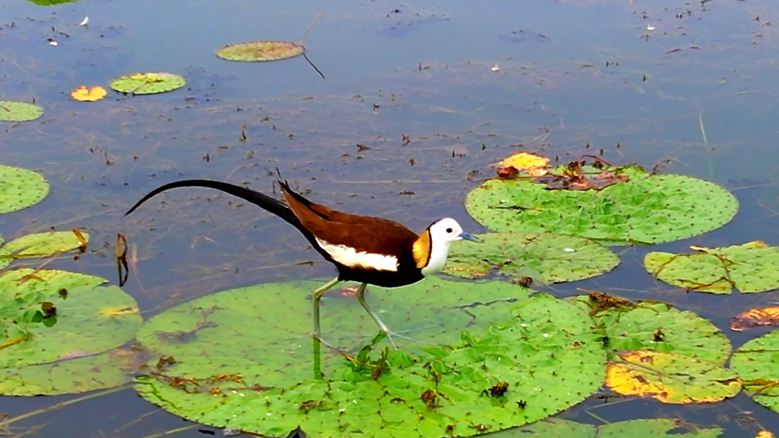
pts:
[317, 337]
[389, 334]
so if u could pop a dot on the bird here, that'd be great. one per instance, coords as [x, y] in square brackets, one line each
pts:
[364, 249]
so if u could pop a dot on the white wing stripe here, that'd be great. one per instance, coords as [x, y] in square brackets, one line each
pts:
[353, 259]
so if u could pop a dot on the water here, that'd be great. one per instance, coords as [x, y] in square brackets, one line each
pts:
[569, 74]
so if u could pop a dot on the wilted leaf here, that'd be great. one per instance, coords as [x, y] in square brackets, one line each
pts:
[758, 317]
[750, 267]
[527, 162]
[646, 208]
[262, 50]
[84, 94]
[574, 177]
[13, 111]
[671, 377]
[147, 83]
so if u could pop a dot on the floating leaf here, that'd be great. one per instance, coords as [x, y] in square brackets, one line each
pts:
[69, 376]
[574, 177]
[671, 377]
[14, 111]
[757, 364]
[262, 50]
[759, 317]
[20, 188]
[526, 162]
[643, 428]
[655, 326]
[645, 209]
[44, 244]
[51, 2]
[750, 267]
[555, 258]
[147, 83]
[85, 94]
[238, 360]
[71, 324]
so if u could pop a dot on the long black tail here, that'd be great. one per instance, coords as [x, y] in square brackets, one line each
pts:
[261, 200]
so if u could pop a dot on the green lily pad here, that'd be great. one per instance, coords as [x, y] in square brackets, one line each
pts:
[5, 255]
[44, 244]
[20, 188]
[757, 364]
[51, 2]
[671, 377]
[88, 318]
[69, 376]
[645, 209]
[750, 267]
[237, 359]
[655, 326]
[555, 258]
[147, 83]
[14, 111]
[263, 50]
[644, 428]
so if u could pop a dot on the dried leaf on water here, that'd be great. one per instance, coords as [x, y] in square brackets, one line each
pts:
[758, 317]
[84, 94]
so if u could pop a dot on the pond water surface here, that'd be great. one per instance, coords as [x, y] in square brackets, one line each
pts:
[451, 87]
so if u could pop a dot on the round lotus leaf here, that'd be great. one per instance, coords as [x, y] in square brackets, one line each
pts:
[750, 267]
[51, 2]
[644, 428]
[671, 377]
[83, 316]
[5, 256]
[147, 83]
[554, 257]
[238, 359]
[655, 428]
[20, 188]
[67, 376]
[264, 50]
[655, 326]
[13, 111]
[644, 209]
[757, 364]
[44, 244]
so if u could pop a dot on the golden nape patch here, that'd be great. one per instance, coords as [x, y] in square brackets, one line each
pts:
[422, 249]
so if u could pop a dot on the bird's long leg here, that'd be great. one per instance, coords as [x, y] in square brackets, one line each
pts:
[315, 297]
[360, 294]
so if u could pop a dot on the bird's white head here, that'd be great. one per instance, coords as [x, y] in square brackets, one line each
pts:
[441, 235]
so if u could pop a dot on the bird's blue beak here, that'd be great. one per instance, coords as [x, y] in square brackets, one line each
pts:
[466, 236]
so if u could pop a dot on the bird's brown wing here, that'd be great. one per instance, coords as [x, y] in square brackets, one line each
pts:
[324, 212]
[363, 233]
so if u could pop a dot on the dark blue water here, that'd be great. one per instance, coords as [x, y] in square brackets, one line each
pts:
[569, 74]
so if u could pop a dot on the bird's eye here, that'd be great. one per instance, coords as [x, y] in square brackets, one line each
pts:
[448, 231]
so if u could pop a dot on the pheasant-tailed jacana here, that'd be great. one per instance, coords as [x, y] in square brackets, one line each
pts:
[366, 249]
